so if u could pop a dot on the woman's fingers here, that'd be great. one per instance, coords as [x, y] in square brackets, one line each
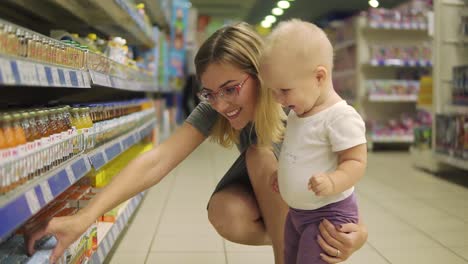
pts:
[330, 234]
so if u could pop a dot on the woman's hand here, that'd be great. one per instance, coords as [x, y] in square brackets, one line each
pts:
[340, 242]
[65, 229]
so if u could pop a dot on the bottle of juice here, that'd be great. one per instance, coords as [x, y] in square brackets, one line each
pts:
[20, 138]
[76, 119]
[87, 117]
[29, 131]
[3, 144]
[42, 124]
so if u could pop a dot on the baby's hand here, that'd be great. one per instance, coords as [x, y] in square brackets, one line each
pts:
[274, 183]
[321, 184]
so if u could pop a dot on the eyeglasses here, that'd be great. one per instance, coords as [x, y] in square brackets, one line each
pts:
[226, 93]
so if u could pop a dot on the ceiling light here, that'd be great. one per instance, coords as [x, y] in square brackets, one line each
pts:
[265, 24]
[270, 19]
[374, 3]
[277, 11]
[283, 4]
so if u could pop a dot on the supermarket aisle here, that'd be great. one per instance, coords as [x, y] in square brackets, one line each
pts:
[412, 217]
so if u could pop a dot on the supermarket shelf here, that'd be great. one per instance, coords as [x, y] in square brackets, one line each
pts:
[100, 79]
[124, 21]
[109, 151]
[154, 11]
[397, 26]
[393, 139]
[108, 17]
[17, 207]
[400, 63]
[114, 232]
[393, 98]
[344, 45]
[456, 162]
[456, 109]
[21, 72]
[344, 74]
[423, 159]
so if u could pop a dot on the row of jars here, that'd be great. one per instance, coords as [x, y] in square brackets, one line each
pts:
[18, 128]
[16, 41]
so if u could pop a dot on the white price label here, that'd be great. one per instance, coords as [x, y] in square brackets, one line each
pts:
[7, 73]
[114, 232]
[70, 174]
[46, 192]
[100, 254]
[33, 202]
[107, 246]
[87, 164]
[85, 76]
[41, 74]
[79, 78]
[55, 76]
[68, 82]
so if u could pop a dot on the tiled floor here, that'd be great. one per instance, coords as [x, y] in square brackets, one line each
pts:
[413, 217]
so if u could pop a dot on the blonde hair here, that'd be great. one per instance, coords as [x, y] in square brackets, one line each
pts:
[303, 40]
[240, 46]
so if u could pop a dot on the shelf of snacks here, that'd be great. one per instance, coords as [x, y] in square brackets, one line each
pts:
[46, 151]
[154, 10]
[392, 90]
[411, 15]
[451, 104]
[28, 58]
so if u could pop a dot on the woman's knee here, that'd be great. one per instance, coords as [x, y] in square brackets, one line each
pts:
[229, 210]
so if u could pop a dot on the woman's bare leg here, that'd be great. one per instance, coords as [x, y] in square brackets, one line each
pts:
[234, 213]
[262, 165]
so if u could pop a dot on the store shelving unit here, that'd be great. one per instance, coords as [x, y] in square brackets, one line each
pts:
[67, 85]
[379, 107]
[450, 49]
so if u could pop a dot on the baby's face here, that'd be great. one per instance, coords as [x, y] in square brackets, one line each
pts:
[293, 85]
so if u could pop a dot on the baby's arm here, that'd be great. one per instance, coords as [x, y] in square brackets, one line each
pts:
[351, 167]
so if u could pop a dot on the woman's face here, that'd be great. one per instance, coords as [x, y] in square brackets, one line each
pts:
[240, 109]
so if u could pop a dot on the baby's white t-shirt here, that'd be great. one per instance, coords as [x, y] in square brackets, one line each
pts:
[310, 146]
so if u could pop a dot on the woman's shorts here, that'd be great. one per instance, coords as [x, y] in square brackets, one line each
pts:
[238, 174]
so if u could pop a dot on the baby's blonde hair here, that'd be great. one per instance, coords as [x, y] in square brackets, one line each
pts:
[305, 41]
[240, 46]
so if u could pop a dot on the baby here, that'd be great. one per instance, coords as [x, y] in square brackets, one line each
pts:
[324, 151]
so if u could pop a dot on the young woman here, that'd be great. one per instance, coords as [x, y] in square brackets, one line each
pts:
[235, 109]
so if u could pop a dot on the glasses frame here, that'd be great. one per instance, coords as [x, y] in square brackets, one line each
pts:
[220, 92]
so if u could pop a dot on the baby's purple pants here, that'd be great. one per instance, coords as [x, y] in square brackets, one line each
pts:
[301, 229]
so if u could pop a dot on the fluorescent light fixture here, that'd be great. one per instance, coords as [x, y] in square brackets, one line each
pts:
[284, 4]
[270, 19]
[265, 24]
[277, 11]
[374, 3]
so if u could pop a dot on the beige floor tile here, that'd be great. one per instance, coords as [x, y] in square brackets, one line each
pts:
[250, 257]
[125, 258]
[437, 255]
[188, 243]
[234, 247]
[366, 255]
[186, 258]
[457, 238]
[461, 251]
[135, 241]
[404, 239]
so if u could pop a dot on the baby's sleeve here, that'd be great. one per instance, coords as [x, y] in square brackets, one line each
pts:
[346, 130]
